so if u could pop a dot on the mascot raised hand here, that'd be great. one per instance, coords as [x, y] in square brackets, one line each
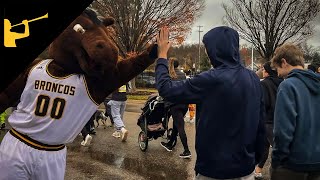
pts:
[57, 96]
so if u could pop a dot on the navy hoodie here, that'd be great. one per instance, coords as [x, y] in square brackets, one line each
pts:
[297, 122]
[230, 133]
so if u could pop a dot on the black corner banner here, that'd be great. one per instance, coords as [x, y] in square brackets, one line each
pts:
[45, 20]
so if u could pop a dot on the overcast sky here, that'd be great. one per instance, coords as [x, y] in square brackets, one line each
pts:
[212, 17]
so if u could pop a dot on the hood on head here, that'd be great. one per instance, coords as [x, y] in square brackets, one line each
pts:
[310, 79]
[222, 46]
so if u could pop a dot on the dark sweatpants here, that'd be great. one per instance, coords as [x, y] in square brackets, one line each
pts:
[178, 112]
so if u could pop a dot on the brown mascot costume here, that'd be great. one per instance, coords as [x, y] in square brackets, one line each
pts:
[57, 97]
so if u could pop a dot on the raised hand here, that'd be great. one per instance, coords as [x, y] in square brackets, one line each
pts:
[163, 42]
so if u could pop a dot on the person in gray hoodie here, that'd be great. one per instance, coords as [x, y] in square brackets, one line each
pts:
[296, 150]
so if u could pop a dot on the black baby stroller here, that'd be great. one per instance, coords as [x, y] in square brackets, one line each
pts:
[153, 121]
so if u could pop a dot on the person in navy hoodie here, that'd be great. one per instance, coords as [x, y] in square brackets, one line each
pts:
[296, 150]
[230, 132]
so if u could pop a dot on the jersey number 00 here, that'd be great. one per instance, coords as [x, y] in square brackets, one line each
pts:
[56, 109]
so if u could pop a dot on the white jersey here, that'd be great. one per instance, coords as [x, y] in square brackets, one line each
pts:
[53, 110]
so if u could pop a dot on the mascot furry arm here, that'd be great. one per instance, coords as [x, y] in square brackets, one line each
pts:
[85, 47]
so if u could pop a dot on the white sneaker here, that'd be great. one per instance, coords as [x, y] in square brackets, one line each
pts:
[116, 134]
[124, 134]
[87, 141]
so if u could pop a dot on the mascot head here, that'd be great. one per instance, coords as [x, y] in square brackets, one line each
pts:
[85, 46]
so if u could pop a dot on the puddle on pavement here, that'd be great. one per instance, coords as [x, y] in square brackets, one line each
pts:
[143, 167]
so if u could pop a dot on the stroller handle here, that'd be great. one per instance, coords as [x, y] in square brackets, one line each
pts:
[155, 102]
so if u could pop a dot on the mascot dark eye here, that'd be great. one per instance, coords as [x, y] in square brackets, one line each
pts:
[100, 46]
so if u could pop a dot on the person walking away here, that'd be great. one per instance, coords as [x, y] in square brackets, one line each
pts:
[118, 106]
[177, 111]
[295, 154]
[269, 86]
[230, 132]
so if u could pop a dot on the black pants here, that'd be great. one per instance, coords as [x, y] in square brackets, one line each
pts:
[198, 107]
[86, 129]
[287, 174]
[178, 112]
[269, 141]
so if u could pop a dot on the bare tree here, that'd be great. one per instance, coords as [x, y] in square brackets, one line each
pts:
[187, 54]
[268, 24]
[316, 59]
[308, 51]
[138, 21]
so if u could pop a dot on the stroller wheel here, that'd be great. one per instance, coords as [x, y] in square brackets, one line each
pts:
[143, 141]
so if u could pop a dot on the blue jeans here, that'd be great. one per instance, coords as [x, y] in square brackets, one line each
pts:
[117, 111]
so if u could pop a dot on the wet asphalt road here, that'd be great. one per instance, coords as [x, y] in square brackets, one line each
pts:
[109, 158]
